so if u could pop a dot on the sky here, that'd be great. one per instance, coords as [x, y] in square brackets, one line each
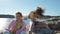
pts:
[52, 7]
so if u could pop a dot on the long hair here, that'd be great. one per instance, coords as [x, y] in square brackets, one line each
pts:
[39, 11]
[30, 15]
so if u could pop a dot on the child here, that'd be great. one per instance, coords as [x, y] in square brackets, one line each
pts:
[17, 26]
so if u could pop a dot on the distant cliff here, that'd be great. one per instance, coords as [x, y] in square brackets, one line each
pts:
[6, 16]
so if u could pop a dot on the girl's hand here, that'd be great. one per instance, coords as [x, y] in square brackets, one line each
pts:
[11, 29]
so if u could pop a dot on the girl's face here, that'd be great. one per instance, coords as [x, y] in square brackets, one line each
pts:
[38, 16]
[33, 16]
[18, 17]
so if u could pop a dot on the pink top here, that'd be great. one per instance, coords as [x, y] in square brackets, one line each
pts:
[13, 24]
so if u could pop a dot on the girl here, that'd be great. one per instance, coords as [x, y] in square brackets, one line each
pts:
[37, 25]
[17, 26]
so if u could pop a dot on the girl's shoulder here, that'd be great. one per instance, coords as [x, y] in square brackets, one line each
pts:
[13, 21]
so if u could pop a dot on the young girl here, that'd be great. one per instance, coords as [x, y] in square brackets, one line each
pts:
[17, 26]
[37, 25]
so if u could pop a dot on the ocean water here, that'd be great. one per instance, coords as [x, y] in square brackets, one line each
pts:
[4, 22]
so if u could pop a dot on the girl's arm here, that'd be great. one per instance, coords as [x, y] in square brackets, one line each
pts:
[30, 25]
[11, 26]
